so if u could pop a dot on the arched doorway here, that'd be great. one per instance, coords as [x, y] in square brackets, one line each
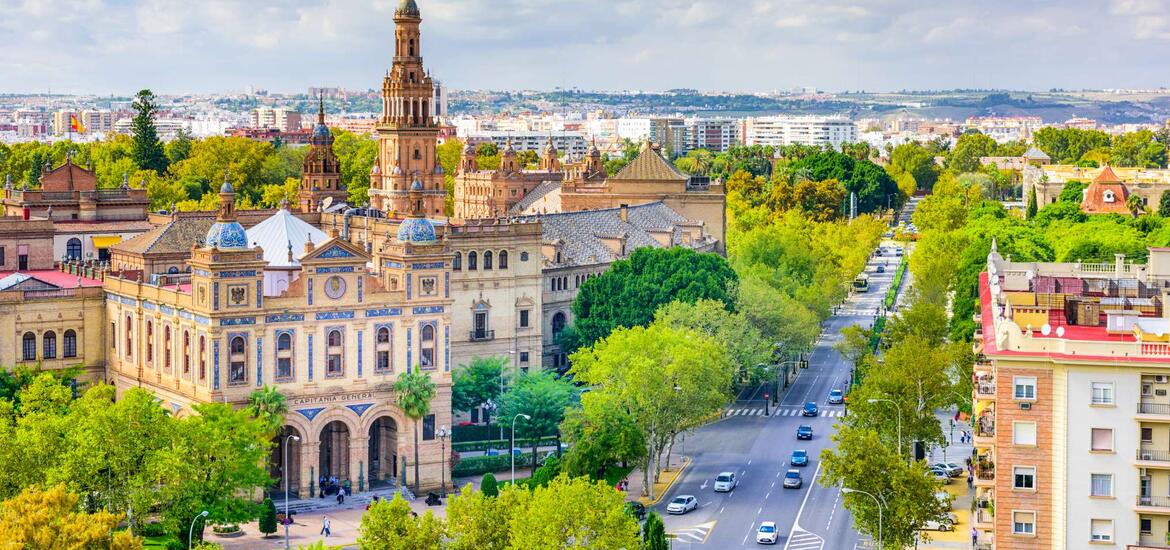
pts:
[383, 451]
[334, 456]
[277, 467]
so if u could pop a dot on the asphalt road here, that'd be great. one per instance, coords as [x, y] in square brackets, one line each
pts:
[757, 449]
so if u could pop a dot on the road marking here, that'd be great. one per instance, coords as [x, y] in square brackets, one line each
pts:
[804, 540]
[703, 486]
[833, 512]
[749, 462]
[721, 509]
[694, 535]
[796, 522]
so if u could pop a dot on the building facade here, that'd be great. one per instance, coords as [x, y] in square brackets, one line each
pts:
[803, 130]
[1049, 179]
[481, 194]
[320, 171]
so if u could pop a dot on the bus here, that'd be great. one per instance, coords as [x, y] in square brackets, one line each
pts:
[861, 283]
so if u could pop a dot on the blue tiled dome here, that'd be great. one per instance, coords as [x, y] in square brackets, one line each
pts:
[321, 131]
[416, 230]
[226, 187]
[417, 185]
[226, 235]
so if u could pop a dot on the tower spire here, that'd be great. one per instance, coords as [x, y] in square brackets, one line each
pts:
[320, 108]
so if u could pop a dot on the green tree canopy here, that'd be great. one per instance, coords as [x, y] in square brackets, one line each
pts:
[874, 187]
[968, 149]
[148, 149]
[477, 382]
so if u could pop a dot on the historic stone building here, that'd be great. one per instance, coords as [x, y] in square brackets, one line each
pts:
[407, 131]
[483, 194]
[1049, 179]
[320, 171]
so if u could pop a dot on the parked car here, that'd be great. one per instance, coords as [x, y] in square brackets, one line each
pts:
[952, 469]
[799, 458]
[944, 498]
[810, 409]
[897, 251]
[636, 510]
[766, 533]
[940, 475]
[945, 523]
[792, 479]
[804, 431]
[836, 397]
[682, 504]
[725, 481]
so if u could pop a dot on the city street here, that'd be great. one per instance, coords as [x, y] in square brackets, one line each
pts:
[757, 449]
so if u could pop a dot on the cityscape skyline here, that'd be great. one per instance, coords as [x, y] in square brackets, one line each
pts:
[116, 47]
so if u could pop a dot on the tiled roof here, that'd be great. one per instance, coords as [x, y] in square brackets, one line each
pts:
[649, 165]
[1107, 176]
[49, 277]
[536, 194]
[1096, 193]
[177, 236]
[581, 233]
[1036, 154]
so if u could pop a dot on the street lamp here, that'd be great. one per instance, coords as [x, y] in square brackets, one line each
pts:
[898, 410]
[284, 474]
[512, 448]
[879, 503]
[442, 434]
[191, 531]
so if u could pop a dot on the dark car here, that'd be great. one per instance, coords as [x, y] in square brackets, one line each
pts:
[810, 409]
[804, 431]
[799, 458]
[636, 510]
[881, 269]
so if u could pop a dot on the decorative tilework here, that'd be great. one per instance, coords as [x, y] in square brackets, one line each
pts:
[416, 230]
[310, 291]
[361, 292]
[334, 315]
[234, 274]
[148, 305]
[202, 320]
[311, 413]
[215, 296]
[388, 263]
[409, 363]
[384, 312]
[447, 284]
[128, 301]
[359, 351]
[175, 408]
[285, 318]
[310, 358]
[259, 361]
[335, 269]
[259, 294]
[408, 280]
[360, 408]
[237, 321]
[215, 358]
[335, 252]
[428, 265]
[167, 310]
[183, 314]
[424, 310]
[447, 348]
[202, 273]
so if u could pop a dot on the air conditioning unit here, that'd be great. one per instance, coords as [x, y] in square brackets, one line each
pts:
[1160, 393]
[1026, 406]
[1146, 455]
[1161, 379]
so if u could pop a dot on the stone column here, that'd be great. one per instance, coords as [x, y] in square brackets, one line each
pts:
[310, 469]
[359, 462]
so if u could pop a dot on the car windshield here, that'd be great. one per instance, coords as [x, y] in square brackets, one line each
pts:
[679, 500]
[723, 477]
[767, 529]
[793, 474]
[806, 428]
[835, 392]
[799, 454]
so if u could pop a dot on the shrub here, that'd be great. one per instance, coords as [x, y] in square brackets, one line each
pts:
[475, 465]
[152, 529]
[267, 517]
[488, 485]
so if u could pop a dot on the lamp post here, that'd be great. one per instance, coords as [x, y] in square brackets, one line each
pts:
[879, 503]
[897, 410]
[284, 474]
[511, 448]
[191, 530]
[442, 435]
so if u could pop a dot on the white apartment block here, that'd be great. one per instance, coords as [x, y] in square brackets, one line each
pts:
[804, 130]
[713, 134]
[567, 143]
[285, 120]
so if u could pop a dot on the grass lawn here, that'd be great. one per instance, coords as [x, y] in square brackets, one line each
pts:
[159, 542]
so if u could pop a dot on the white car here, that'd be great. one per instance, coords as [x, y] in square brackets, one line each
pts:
[725, 481]
[945, 523]
[767, 533]
[682, 504]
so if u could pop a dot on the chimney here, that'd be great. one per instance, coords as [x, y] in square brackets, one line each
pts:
[625, 212]
[1118, 265]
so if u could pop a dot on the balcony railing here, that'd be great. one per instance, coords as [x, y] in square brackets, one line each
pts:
[1162, 502]
[482, 335]
[1153, 408]
[985, 471]
[1152, 455]
[985, 389]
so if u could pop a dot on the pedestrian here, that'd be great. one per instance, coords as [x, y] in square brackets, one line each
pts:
[970, 480]
[325, 525]
[974, 536]
[340, 497]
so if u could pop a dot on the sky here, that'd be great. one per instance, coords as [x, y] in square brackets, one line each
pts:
[199, 46]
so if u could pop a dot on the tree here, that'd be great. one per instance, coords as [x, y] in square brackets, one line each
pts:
[668, 380]
[1164, 204]
[1030, 209]
[968, 149]
[654, 533]
[415, 390]
[602, 434]
[272, 195]
[854, 345]
[478, 521]
[914, 159]
[745, 346]
[179, 148]
[477, 382]
[574, 513]
[1069, 145]
[631, 290]
[356, 153]
[269, 406]
[874, 187]
[148, 149]
[389, 525]
[784, 322]
[1135, 205]
[267, 523]
[543, 396]
[488, 485]
[49, 519]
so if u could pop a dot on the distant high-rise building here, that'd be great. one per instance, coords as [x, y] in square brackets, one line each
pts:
[712, 134]
[88, 121]
[804, 130]
[285, 120]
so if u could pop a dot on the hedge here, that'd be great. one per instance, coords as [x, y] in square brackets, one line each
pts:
[477, 465]
[892, 292]
[478, 432]
[484, 445]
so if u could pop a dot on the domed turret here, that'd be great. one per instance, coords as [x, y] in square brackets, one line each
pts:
[416, 231]
[226, 232]
[407, 8]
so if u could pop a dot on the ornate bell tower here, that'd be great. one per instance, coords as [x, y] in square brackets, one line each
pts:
[321, 171]
[406, 131]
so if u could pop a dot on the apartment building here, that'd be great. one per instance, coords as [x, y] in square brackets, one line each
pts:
[285, 120]
[572, 144]
[1072, 404]
[804, 130]
[713, 134]
[91, 121]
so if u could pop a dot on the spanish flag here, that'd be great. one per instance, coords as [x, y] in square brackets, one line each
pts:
[76, 125]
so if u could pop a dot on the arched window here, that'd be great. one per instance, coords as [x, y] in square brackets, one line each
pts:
[284, 347]
[238, 361]
[333, 354]
[129, 337]
[167, 348]
[457, 262]
[417, 154]
[70, 343]
[410, 48]
[28, 347]
[503, 259]
[487, 259]
[427, 346]
[558, 324]
[524, 256]
[382, 350]
[149, 342]
[186, 353]
[471, 261]
[49, 345]
[73, 249]
[202, 357]
[172, 270]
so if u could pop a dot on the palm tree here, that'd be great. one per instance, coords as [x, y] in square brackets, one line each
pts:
[269, 405]
[415, 391]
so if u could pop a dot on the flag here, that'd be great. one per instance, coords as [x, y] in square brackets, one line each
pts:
[76, 125]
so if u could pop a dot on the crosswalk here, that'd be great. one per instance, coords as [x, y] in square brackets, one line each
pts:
[783, 411]
[803, 540]
[694, 535]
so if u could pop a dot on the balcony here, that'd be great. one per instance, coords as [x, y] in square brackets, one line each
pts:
[1152, 458]
[482, 335]
[984, 519]
[984, 473]
[1153, 505]
[985, 388]
[1153, 412]
[984, 433]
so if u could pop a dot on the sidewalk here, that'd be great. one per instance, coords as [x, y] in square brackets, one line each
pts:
[955, 452]
[306, 529]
